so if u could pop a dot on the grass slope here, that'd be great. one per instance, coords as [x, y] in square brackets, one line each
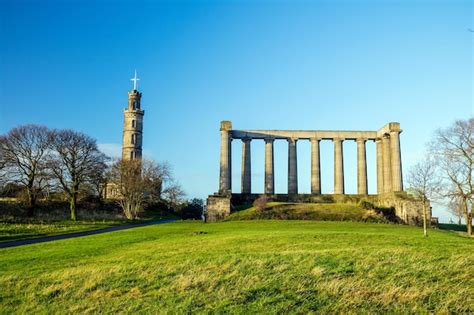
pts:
[21, 231]
[243, 267]
[302, 211]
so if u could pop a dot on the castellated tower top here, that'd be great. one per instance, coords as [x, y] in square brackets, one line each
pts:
[134, 99]
[133, 125]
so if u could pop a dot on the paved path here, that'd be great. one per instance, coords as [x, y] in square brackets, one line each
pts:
[78, 234]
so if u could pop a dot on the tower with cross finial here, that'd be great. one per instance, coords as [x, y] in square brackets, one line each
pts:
[133, 124]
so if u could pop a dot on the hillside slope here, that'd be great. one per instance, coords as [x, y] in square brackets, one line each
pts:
[244, 267]
[307, 211]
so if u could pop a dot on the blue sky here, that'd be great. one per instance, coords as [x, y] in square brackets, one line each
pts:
[352, 65]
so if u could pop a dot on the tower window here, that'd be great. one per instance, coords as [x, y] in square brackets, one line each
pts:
[134, 123]
[131, 155]
[134, 138]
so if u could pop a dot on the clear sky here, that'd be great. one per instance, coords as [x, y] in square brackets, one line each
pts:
[316, 65]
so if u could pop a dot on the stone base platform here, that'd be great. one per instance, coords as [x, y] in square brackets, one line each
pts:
[407, 208]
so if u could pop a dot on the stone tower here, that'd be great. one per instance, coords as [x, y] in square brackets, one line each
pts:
[133, 125]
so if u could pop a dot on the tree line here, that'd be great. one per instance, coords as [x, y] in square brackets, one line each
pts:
[40, 160]
[446, 171]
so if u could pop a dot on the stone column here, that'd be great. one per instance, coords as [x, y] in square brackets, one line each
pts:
[361, 167]
[269, 167]
[246, 173]
[225, 185]
[397, 182]
[292, 167]
[387, 164]
[338, 167]
[379, 150]
[315, 167]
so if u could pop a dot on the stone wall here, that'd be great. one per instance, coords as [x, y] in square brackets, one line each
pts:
[218, 208]
[407, 208]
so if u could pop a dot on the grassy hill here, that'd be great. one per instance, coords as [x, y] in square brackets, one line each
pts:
[244, 267]
[307, 211]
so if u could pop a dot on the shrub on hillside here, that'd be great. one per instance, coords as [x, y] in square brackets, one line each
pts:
[260, 204]
[367, 205]
[374, 216]
[192, 209]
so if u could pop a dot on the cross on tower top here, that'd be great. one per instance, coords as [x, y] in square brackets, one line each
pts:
[135, 79]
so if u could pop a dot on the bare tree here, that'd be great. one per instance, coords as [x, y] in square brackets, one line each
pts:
[454, 148]
[75, 160]
[98, 180]
[23, 159]
[138, 182]
[455, 207]
[3, 163]
[174, 195]
[424, 184]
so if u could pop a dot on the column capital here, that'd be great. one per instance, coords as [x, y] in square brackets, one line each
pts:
[361, 140]
[246, 139]
[386, 136]
[395, 132]
[338, 139]
[315, 139]
[226, 125]
[269, 139]
[292, 140]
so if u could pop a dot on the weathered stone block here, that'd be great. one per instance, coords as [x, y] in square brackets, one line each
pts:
[407, 208]
[218, 208]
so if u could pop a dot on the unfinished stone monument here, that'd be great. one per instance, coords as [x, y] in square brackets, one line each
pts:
[388, 158]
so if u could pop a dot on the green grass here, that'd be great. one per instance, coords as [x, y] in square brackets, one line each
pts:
[243, 267]
[302, 211]
[14, 231]
[20, 231]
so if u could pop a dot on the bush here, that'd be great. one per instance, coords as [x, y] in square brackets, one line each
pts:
[260, 204]
[374, 216]
[192, 209]
[367, 205]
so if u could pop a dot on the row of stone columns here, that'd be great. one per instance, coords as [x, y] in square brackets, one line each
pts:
[389, 176]
[389, 165]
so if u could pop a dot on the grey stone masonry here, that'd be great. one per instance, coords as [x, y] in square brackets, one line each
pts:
[225, 165]
[269, 167]
[292, 167]
[361, 168]
[338, 167]
[246, 167]
[132, 138]
[315, 167]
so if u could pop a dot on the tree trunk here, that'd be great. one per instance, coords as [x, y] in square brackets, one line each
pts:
[425, 219]
[72, 206]
[30, 211]
[468, 217]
